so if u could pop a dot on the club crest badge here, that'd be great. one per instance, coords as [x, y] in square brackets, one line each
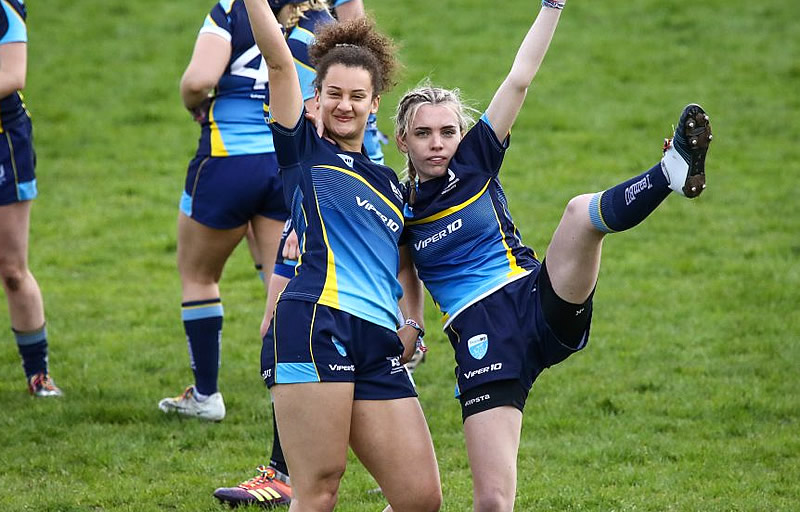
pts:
[478, 346]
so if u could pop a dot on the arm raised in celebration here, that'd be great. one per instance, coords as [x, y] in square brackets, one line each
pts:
[508, 100]
[286, 98]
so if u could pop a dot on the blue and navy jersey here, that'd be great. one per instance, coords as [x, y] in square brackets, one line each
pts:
[12, 30]
[347, 211]
[462, 238]
[235, 125]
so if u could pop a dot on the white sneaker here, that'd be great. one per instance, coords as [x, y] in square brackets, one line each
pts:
[212, 408]
[685, 154]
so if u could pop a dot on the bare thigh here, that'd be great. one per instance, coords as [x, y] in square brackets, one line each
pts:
[314, 425]
[14, 228]
[573, 256]
[391, 438]
[492, 439]
[202, 253]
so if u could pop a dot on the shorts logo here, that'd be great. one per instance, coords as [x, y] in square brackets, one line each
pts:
[2, 174]
[395, 366]
[266, 374]
[478, 345]
[477, 400]
[347, 159]
[339, 347]
[342, 367]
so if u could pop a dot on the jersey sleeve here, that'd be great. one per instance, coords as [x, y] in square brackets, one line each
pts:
[218, 22]
[299, 40]
[12, 25]
[481, 149]
[293, 145]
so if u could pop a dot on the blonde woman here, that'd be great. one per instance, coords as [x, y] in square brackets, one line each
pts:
[509, 316]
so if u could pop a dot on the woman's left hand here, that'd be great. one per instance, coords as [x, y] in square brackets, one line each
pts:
[408, 337]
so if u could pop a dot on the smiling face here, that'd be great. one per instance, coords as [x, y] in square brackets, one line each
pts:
[431, 139]
[345, 102]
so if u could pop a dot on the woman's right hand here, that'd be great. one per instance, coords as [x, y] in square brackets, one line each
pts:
[291, 247]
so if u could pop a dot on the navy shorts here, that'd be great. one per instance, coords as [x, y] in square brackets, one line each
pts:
[505, 337]
[226, 192]
[315, 343]
[17, 162]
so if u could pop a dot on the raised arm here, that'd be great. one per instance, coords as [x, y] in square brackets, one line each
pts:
[508, 99]
[286, 98]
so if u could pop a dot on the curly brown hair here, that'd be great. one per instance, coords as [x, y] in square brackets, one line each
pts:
[355, 43]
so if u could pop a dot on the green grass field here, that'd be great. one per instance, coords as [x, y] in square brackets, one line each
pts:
[686, 399]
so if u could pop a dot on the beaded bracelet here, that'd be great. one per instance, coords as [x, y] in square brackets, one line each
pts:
[415, 325]
[553, 4]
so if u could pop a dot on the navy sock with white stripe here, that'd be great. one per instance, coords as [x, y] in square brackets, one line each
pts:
[202, 321]
[32, 346]
[629, 203]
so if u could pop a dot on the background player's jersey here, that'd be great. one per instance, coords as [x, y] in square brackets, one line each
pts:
[347, 211]
[12, 30]
[235, 125]
[462, 238]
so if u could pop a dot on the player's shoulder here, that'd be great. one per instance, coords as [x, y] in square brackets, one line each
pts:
[313, 20]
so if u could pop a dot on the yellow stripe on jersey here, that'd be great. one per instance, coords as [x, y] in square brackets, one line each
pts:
[301, 242]
[303, 64]
[515, 269]
[365, 182]
[310, 347]
[16, 15]
[330, 290]
[452, 209]
[217, 145]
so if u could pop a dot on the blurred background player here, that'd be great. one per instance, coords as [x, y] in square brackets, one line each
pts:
[233, 180]
[17, 191]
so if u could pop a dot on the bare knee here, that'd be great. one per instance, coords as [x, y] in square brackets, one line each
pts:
[427, 497]
[578, 208]
[494, 500]
[433, 499]
[322, 493]
[13, 276]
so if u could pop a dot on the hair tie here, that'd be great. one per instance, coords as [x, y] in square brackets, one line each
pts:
[345, 45]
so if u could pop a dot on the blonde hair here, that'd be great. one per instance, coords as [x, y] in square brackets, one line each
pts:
[410, 103]
[291, 14]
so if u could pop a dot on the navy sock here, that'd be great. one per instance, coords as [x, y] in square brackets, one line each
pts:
[629, 203]
[260, 270]
[33, 350]
[276, 459]
[202, 321]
